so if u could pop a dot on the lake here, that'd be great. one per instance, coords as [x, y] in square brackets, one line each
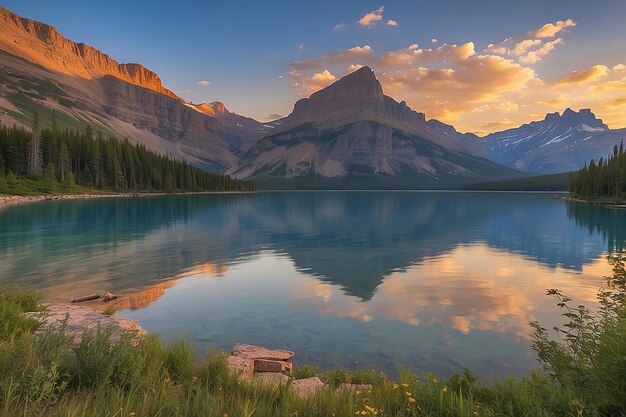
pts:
[370, 279]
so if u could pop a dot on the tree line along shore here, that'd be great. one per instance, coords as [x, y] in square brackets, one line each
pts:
[64, 161]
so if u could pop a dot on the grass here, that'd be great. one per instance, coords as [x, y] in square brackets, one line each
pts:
[25, 186]
[49, 376]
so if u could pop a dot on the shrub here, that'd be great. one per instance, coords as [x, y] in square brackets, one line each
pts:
[13, 303]
[589, 355]
[304, 371]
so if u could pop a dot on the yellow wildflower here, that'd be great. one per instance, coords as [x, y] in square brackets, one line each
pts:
[405, 385]
[363, 412]
[408, 394]
[444, 389]
[411, 399]
[395, 386]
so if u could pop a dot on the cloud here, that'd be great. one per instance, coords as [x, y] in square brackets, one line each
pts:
[204, 83]
[309, 85]
[550, 30]
[373, 17]
[273, 116]
[434, 40]
[342, 57]
[477, 90]
[301, 47]
[525, 45]
[536, 56]
[391, 22]
[591, 74]
[338, 27]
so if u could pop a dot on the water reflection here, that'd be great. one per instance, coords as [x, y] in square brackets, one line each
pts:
[431, 280]
[353, 239]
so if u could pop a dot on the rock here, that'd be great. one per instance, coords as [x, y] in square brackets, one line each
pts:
[257, 352]
[307, 387]
[271, 378]
[353, 388]
[242, 367]
[266, 365]
[107, 296]
[81, 319]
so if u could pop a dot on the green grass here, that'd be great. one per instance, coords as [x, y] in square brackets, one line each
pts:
[39, 186]
[49, 376]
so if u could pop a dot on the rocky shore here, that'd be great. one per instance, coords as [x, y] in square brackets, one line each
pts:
[6, 200]
[249, 363]
[607, 203]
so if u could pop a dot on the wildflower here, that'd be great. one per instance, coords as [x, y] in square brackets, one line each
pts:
[395, 386]
[363, 412]
[411, 399]
[444, 389]
[434, 380]
[475, 413]
[408, 394]
[405, 385]
[358, 392]
[194, 379]
[131, 414]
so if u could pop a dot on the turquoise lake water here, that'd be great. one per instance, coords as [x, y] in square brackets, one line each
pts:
[430, 280]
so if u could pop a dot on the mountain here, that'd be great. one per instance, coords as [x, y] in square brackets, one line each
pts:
[351, 129]
[558, 143]
[42, 70]
[240, 129]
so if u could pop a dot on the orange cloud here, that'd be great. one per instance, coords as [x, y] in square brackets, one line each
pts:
[309, 85]
[550, 30]
[478, 92]
[591, 74]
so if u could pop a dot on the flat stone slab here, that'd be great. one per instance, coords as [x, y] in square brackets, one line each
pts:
[271, 378]
[353, 388]
[81, 319]
[259, 352]
[242, 367]
[266, 365]
[307, 387]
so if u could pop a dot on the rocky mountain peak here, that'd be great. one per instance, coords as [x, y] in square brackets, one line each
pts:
[584, 118]
[219, 107]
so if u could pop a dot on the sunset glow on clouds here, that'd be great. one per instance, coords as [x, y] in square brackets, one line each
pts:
[478, 89]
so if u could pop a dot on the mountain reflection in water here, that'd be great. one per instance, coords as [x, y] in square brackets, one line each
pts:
[429, 279]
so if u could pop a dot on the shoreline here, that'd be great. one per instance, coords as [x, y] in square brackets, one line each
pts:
[604, 203]
[8, 200]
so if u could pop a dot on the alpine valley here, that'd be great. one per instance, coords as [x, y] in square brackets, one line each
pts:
[347, 133]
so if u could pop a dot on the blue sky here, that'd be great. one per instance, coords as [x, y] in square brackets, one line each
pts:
[246, 50]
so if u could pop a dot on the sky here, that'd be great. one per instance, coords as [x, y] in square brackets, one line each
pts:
[482, 65]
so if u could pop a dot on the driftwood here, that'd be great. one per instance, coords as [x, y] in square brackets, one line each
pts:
[86, 298]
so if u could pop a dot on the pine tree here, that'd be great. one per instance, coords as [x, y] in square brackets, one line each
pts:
[35, 162]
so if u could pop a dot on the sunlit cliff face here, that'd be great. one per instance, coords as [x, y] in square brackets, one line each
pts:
[470, 288]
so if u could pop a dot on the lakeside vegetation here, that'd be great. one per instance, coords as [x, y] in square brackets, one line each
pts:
[55, 161]
[552, 182]
[603, 181]
[583, 374]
